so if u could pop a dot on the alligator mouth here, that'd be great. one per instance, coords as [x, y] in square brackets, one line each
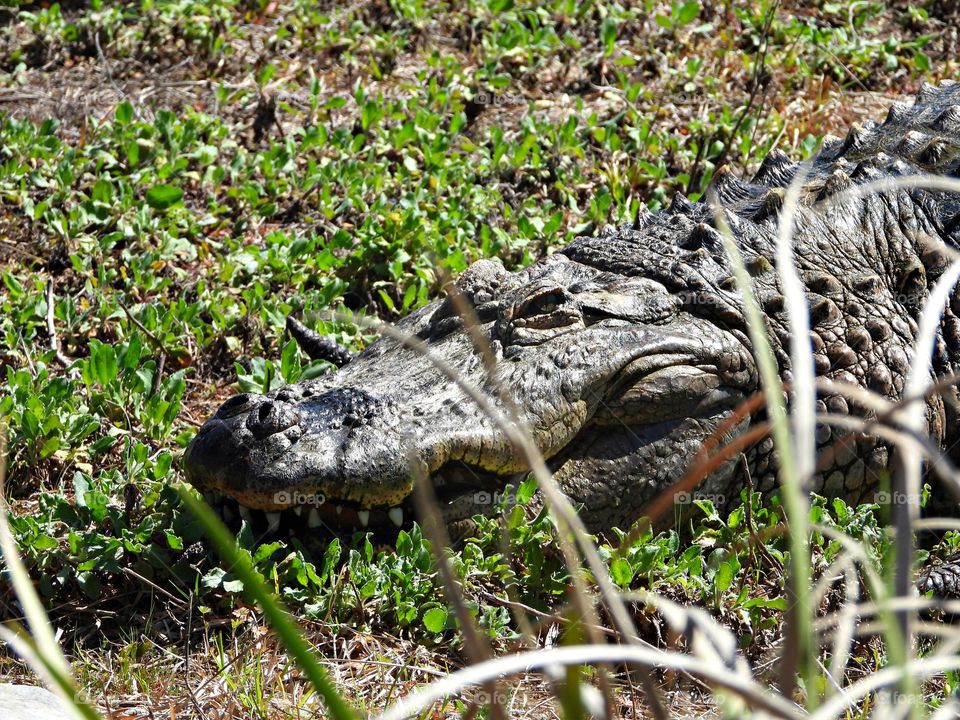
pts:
[332, 519]
[462, 491]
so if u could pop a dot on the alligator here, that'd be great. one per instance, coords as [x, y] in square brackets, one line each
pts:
[624, 352]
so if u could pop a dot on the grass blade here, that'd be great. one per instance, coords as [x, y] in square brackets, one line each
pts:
[794, 499]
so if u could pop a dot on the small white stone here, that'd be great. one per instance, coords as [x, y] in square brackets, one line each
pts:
[26, 702]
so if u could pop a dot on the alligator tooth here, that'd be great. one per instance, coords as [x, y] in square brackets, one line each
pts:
[313, 519]
[226, 513]
[209, 498]
[298, 510]
[244, 512]
[364, 517]
[273, 521]
[338, 509]
[396, 515]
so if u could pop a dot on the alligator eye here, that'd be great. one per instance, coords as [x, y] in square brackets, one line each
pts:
[542, 314]
[545, 304]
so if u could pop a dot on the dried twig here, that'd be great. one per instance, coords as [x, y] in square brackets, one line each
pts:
[63, 359]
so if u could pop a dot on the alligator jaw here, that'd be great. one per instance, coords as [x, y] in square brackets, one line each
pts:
[216, 459]
[306, 515]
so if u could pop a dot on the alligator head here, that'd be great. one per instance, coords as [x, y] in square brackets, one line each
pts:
[617, 384]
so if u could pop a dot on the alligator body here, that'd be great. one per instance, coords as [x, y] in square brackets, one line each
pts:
[625, 351]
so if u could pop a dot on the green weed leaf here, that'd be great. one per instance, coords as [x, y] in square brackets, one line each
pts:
[161, 197]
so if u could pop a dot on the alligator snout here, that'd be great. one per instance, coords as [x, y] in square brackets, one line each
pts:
[246, 428]
[308, 438]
